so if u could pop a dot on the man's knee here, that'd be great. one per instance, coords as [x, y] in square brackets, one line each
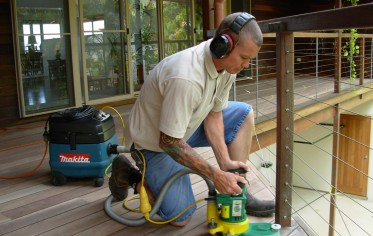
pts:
[249, 121]
[180, 224]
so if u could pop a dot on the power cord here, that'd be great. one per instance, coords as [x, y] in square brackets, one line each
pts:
[145, 206]
[123, 138]
[30, 172]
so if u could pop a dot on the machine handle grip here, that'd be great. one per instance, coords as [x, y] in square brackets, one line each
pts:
[239, 171]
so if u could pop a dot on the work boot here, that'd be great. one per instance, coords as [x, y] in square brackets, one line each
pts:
[260, 208]
[123, 176]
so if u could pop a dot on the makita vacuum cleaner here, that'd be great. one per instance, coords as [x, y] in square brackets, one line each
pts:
[78, 142]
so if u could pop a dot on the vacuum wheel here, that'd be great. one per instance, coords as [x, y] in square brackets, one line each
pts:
[58, 179]
[99, 182]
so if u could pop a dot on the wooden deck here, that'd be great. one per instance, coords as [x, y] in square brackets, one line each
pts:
[32, 206]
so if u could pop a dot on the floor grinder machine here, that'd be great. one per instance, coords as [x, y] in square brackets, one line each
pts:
[226, 213]
[78, 142]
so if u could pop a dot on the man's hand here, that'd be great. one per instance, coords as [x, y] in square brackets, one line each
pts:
[182, 153]
[230, 165]
[226, 182]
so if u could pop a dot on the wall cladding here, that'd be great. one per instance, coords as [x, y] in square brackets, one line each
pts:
[8, 86]
[269, 9]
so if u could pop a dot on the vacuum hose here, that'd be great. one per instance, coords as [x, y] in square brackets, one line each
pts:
[158, 202]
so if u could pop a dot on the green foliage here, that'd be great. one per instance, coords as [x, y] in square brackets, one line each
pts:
[177, 26]
[145, 31]
[28, 15]
[351, 49]
[353, 2]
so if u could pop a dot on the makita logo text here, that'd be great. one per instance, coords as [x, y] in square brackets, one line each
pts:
[75, 158]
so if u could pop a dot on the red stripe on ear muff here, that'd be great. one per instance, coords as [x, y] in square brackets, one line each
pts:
[230, 41]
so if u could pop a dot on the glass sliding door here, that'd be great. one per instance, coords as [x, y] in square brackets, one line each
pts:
[177, 25]
[198, 21]
[158, 33]
[144, 39]
[44, 47]
[74, 52]
[105, 48]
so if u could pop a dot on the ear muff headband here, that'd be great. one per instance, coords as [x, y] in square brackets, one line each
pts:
[223, 44]
[241, 21]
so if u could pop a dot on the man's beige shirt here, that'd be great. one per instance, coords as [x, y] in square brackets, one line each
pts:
[176, 97]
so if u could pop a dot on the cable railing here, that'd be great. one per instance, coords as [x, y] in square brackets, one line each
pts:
[313, 135]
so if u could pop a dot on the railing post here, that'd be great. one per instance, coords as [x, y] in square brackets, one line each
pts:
[257, 85]
[338, 63]
[362, 60]
[285, 123]
[333, 190]
[317, 65]
[371, 58]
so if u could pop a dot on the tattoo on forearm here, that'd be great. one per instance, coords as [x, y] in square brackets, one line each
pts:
[181, 152]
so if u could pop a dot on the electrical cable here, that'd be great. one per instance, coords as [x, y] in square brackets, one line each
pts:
[20, 146]
[123, 138]
[27, 173]
[145, 206]
[30, 172]
[5, 129]
[76, 113]
[157, 204]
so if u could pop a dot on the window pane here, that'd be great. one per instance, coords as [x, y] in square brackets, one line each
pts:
[51, 29]
[177, 26]
[46, 71]
[105, 48]
[198, 21]
[144, 39]
[102, 14]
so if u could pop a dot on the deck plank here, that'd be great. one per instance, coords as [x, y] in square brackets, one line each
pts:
[23, 225]
[48, 202]
[30, 199]
[23, 192]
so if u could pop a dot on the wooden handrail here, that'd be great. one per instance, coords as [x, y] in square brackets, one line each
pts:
[342, 18]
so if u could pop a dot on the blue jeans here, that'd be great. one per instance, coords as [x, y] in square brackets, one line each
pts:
[160, 166]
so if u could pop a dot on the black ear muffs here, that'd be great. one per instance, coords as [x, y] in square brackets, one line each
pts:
[223, 44]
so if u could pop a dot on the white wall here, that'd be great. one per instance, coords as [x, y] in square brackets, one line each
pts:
[312, 162]
[267, 154]
[309, 159]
